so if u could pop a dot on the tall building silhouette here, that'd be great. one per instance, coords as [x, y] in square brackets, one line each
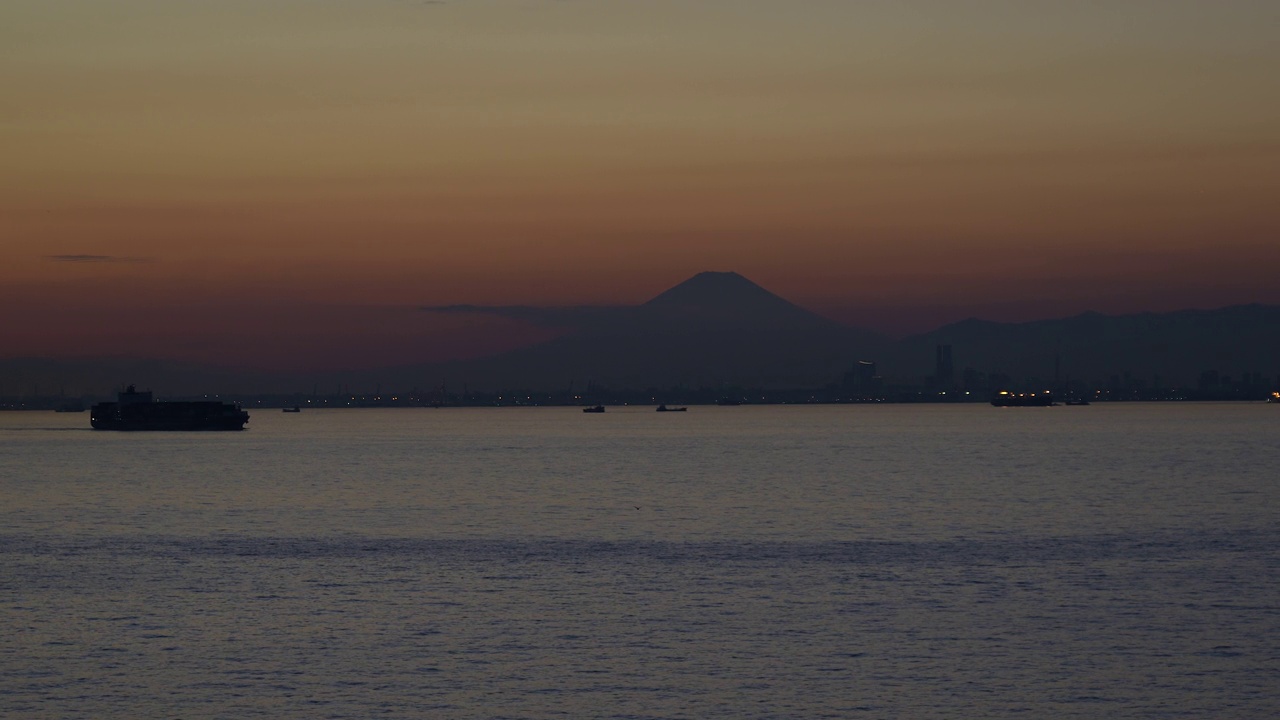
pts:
[944, 372]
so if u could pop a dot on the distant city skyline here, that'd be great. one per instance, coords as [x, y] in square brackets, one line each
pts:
[284, 183]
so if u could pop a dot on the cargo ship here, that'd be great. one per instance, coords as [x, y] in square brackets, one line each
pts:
[134, 410]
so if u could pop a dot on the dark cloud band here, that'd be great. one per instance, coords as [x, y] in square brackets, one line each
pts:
[571, 316]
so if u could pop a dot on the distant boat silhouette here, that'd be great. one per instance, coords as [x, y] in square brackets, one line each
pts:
[1076, 401]
[593, 409]
[664, 408]
[295, 408]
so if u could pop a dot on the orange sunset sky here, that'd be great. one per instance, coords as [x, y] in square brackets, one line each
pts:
[281, 183]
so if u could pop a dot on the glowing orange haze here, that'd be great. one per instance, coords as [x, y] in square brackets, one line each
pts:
[291, 178]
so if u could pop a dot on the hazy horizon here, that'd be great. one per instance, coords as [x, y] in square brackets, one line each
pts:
[483, 331]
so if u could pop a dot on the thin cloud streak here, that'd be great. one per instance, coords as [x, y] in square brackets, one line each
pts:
[98, 259]
[574, 316]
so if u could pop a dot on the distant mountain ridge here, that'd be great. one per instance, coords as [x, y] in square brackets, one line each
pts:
[1172, 347]
[73, 377]
[719, 329]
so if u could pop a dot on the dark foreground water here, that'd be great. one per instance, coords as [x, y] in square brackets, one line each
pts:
[1115, 561]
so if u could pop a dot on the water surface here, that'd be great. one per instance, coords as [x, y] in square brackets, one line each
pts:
[831, 561]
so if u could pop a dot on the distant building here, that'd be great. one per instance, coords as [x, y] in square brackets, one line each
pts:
[944, 373]
[863, 381]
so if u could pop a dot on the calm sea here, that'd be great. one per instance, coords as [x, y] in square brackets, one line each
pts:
[1117, 561]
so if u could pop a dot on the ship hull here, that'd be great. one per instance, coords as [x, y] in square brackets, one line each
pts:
[168, 416]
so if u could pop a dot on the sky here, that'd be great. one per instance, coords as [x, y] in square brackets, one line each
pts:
[283, 183]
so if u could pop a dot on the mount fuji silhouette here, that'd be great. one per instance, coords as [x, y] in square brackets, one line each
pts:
[719, 301]
[728, 293]
[712, 330]
[718, 329]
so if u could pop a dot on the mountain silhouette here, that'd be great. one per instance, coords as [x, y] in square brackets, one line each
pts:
[730, 296]
[714, 329]
[720, 330]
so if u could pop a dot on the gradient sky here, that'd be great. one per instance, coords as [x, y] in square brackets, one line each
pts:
[280, 182]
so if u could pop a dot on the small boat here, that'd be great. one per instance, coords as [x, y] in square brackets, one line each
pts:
[1075, 401]
[664, 408]
[1275, 398]
[295, 408]
[593, 409]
